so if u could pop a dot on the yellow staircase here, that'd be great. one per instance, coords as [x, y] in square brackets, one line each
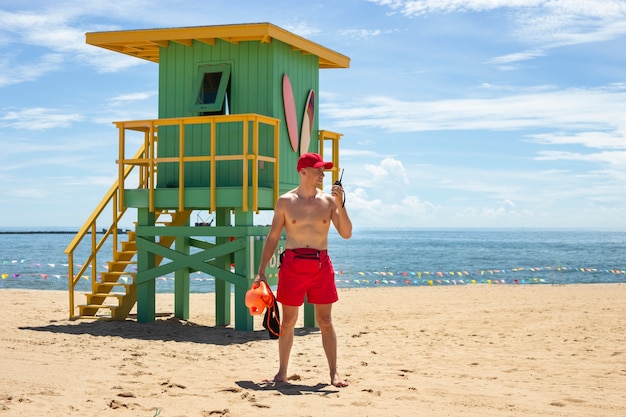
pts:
[116, 291]
[114, 284]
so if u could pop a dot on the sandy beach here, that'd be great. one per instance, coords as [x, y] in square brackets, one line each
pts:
[507, 350]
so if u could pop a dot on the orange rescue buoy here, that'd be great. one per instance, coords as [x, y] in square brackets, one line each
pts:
[258, 298]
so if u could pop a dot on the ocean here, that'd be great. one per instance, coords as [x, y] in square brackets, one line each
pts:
[374, 258]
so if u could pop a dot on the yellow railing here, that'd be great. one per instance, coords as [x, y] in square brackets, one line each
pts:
[326, 135]
[110, 199]
[149, 161]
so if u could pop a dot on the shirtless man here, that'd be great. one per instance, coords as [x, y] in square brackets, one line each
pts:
[306, 213]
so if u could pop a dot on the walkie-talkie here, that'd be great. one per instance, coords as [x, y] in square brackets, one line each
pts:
[338, 182]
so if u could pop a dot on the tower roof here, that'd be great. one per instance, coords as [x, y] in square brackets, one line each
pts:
[146, 43]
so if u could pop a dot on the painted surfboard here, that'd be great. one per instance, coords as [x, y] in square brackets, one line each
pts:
[290, 113]
[307, 123]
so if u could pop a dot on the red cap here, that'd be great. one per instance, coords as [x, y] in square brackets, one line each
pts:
[312, 160]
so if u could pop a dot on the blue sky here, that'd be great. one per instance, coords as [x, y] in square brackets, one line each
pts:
[491, 113]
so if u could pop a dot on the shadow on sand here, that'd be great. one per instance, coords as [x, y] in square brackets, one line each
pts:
[287, 388]
[171, 329]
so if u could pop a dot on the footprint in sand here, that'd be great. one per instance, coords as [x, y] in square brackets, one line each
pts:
[224, 412]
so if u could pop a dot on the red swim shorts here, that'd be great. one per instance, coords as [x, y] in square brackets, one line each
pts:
[306, 272]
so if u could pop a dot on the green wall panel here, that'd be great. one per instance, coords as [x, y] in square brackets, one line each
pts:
[256, 76]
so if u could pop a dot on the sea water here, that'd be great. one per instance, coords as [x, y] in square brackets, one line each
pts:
[373, 258]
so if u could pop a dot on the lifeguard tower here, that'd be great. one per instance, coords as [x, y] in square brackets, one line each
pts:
[236, 108]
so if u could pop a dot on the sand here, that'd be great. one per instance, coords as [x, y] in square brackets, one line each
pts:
[527, 350]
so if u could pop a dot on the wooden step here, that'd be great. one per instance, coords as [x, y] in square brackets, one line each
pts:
[107, 306]
[107, 294]
[107, 318]
[120, 262]
[96, 309]
[117, 295]
[116, 284]
[112, 274]
[128, 249]
[118, 273]
[114, 278]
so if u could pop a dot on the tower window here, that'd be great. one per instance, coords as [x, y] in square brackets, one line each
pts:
[211, 89]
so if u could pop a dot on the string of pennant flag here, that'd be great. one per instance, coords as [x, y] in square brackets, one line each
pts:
[454, 277]
[464, 277]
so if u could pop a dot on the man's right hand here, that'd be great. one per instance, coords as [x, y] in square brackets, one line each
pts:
[260, 277]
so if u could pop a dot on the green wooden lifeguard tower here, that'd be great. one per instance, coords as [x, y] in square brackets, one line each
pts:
[221, 143]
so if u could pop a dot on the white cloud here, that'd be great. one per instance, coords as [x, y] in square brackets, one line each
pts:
[304, 29]
[15, 72]
[479, 183]
[364, 34]
[54, 35]
[488, 215]
[132, 97]
[612, 158]
[89, 181]
[392, 211]
[421, 7]
[571, 109]
[38, 118]
[47, 29]
[548, 12]
[566, 22]
[549, 23]
[389, 171]
[31, 143]
[29, 193]
[598, 140]
[517, 57]
[381, 193]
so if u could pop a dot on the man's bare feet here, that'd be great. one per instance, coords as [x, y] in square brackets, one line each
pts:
[278, 379]
[337, 381]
